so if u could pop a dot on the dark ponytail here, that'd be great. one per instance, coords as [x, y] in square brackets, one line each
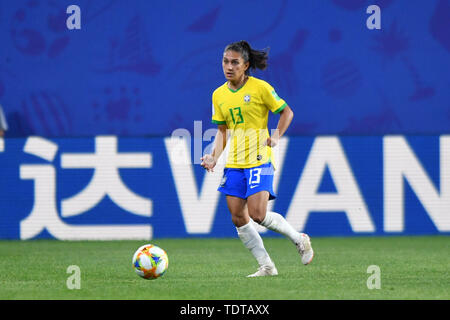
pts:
[256, 58]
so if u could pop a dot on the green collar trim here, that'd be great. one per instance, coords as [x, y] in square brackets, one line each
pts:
[234, 91]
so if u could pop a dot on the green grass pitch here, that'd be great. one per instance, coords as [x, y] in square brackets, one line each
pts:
[216, 269]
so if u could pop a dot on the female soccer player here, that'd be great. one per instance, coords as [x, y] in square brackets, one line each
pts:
[240, 109]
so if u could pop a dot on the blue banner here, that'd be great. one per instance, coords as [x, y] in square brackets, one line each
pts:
[134, 68]
[107, 187]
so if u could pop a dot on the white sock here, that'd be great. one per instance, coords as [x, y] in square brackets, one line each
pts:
[276, 222]
[252, 240]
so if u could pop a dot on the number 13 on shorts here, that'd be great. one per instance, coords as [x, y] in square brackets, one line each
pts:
[255, 177]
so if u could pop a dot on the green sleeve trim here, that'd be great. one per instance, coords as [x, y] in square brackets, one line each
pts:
[280, 108]
[219, 122]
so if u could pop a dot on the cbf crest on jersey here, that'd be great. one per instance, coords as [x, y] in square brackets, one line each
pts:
[247, 98]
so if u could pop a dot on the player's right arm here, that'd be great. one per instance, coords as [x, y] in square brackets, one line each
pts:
[209, 160]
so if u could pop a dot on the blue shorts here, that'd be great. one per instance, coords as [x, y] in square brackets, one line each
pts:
[243, 183]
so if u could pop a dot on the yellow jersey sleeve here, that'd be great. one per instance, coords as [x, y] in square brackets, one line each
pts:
[271, 98]
[217, 116]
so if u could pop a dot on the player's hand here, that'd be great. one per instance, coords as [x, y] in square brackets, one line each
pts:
[208, 162]
[272, 141]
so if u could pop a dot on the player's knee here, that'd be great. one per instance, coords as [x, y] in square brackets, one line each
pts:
[258, 215]
[239, 220]
[236, 221]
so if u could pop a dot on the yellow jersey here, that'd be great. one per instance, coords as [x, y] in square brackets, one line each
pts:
[245, 112]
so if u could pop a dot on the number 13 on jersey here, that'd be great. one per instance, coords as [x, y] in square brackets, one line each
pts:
[236, 115]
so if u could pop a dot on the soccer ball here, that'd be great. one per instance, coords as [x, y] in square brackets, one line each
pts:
[150, 262]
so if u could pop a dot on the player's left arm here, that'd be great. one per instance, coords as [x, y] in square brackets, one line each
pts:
[278, 106]
[286, 116]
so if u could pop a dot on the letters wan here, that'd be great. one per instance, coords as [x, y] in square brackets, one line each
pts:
[400, 164]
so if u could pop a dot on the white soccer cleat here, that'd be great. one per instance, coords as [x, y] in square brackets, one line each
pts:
[264, 271]
[305, 249]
